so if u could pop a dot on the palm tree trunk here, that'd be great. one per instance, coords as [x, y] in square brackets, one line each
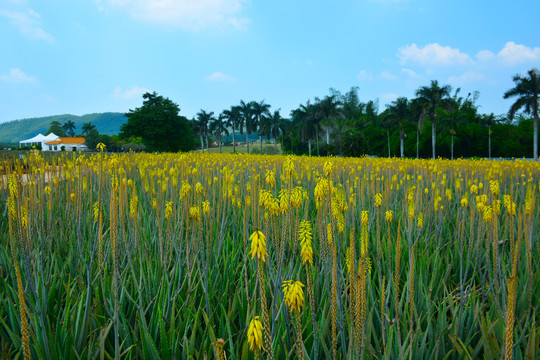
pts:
[417, 142]
[275, 145]
[535, 137]
[402, 144]
[309, 146]
[260, 140]
[452, 148]
[247, 140]
[202, 143]
[220, 143]
[433, 136]
[388, 137]
[233, 141]
[327, 137]
[489, 142]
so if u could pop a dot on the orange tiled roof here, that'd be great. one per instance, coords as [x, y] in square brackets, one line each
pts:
[67, 140]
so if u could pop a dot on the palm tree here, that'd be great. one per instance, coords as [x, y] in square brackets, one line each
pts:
[418, 115]
[219, 127]
[260, 110]
[458, 111]
[489, 121]
[526, 90]
[87, 127]
[304, 116]
[399, 112]
[246, 111]
[432, 98]
[69, 127]
[271, 126]
[234, 119]
[328, 108]
[203, 119]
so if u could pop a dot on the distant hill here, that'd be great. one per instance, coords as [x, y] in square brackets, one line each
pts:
[17, 130]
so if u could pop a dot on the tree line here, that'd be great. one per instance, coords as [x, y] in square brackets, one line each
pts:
[438, 122]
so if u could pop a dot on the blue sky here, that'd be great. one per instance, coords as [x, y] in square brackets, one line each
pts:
[85, 56]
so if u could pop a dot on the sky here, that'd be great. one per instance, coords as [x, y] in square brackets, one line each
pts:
[89, 56]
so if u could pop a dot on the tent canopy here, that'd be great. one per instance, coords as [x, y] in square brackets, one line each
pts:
[39, 138]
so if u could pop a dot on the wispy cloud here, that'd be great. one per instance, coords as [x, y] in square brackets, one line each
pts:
[134, 92]
[513, 54]
[410, 73]
[27, 21]
[364, 75]
[220, 77]
[432, 55]
[187, 14]
[468, 77]
[17, 76]
[386, 75]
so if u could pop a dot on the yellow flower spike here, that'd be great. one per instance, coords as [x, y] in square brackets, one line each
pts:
[487, 214]
[494, 188]
[133, 206]
[464, 200]
[378, 200]
[420, 220]
[101, 147]
[389, 215]
[329, 233]
[328, 168]
[293, 295]
[270, 178]
[206, 207]
[410, 210]
[168, 209]
[364, 218]
[258, 246]
[305, 235]
[199, 188]
[255, 334]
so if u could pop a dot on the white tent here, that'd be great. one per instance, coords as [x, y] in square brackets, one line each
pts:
[38, 139]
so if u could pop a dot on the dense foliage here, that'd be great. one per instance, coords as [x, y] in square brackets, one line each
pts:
[178, 256]
[160, 126]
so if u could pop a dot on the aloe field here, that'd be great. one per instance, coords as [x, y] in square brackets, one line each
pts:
[201, 256]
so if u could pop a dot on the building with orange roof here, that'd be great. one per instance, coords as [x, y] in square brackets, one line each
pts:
[66, 144]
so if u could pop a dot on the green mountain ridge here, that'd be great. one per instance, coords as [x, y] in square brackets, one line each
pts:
[16, 130]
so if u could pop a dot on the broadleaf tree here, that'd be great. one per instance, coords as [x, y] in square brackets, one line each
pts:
[160, 126]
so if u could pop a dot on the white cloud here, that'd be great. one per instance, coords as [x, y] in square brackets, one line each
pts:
[219, 76]
[432, 55]
[364, 75]
[28, 22]
[485, 55]
[410, 73]
[467, 77]
[187, 14]
[134, 92]
[388, 76]
[513, 54]
[17, 76]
